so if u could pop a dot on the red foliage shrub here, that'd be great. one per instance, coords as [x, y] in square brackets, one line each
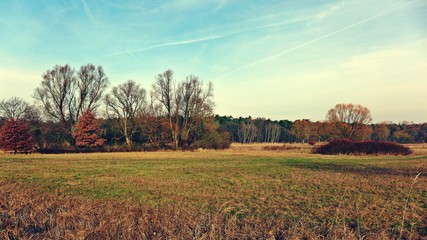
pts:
[363, 148]
[86, 131]
[15, 136]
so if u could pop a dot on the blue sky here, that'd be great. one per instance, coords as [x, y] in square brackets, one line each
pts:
[273, 59]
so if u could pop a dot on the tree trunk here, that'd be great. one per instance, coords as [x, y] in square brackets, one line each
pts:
[126, 133]
[128, 141]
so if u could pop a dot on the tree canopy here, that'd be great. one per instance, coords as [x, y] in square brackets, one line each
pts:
[349, 119]
[124, 103]
[65, 94]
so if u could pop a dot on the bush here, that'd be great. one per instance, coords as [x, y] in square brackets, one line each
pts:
[363, 148]
[87, 130]
[15, 136]
[214, 140]
[68, 150]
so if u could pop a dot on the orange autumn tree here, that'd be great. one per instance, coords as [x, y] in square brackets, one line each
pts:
[301, 130]
[349, 119]
[87, 130]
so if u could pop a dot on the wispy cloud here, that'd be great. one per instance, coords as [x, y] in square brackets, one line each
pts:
[215, 37]
[270, 25]
[304, 44]
[167, 44]
[330, 10]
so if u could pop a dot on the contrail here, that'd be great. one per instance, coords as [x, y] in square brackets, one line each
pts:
[87, 11]
[134, 58]
[266, 26]
[184, 42]
[315, 40]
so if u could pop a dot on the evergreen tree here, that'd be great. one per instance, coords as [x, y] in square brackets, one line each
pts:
[86, 131]
[15, 136]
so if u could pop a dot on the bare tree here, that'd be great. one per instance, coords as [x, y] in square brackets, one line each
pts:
[91, 85]
[56, 93]
[155, 108]
[185, 104]
[196, 104]
[164, 92]
[66, 96]
[124, 103]
[350, 117]
[272, 132]
[16, 108]
[247, 132]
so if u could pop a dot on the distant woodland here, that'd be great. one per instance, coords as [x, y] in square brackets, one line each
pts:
[73, 110]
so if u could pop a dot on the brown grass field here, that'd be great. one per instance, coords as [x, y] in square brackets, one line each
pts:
[246, 192]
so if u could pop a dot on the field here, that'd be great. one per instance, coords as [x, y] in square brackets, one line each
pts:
[245, 192]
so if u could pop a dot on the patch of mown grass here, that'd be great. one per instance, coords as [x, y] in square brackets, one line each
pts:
[331, 195]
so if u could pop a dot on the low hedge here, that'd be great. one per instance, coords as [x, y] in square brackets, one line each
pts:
[362, 148]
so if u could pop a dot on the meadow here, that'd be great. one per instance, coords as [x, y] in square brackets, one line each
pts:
[245, 192]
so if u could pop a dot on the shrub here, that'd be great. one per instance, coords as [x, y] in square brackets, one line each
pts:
[53, 150]
[363, 148]
[68, 150]
[214, 140]
[86, 131]
[15, 136]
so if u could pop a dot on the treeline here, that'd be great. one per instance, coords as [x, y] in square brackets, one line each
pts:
[261, 130]
[258, 130]
[72, 111]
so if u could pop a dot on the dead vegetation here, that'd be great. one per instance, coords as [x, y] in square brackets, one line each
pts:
[231, 194]
[29, 214]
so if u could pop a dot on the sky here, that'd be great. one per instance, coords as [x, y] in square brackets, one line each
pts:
[275, 59]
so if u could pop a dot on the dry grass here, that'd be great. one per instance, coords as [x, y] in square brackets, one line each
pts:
[419, 148]
[291, 147]
[245, 192]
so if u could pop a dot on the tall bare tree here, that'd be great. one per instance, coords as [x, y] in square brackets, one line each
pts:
[185, 103]
[91, 85]
[164, 92]
[56, 93]
[195, 104]
[247, 132]
[124, 103]
[350, 118]
[272, 132]
[65, 95]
